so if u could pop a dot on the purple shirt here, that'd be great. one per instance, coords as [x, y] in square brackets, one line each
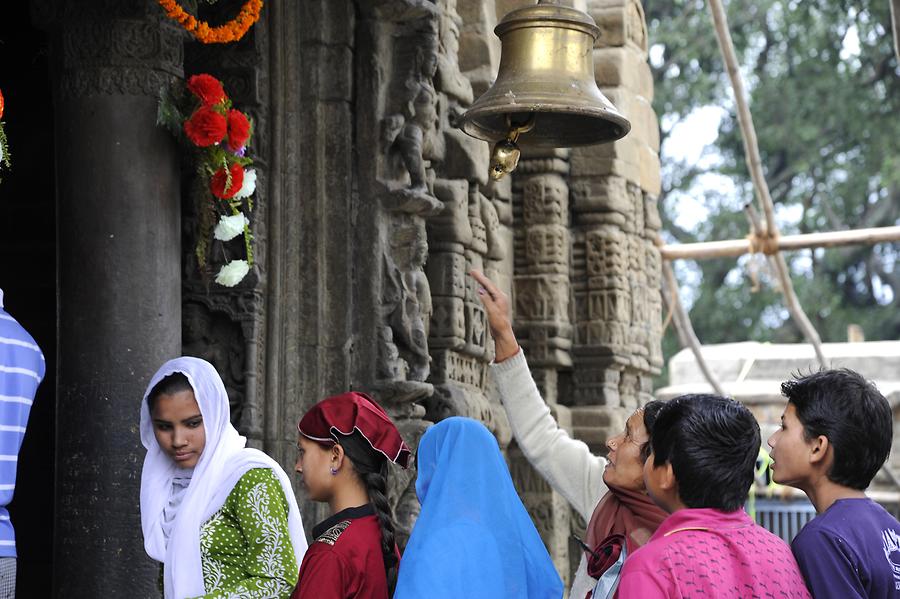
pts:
[850, 550]
[709, 553]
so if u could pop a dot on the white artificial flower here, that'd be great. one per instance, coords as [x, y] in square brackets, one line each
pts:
[230, 227]
[249, 185]
[232, 273]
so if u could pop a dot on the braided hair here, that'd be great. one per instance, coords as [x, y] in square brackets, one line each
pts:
[372, 468]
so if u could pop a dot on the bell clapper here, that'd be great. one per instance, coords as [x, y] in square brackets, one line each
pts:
[505, 155]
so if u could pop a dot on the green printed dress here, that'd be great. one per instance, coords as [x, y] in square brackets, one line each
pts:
[245, 547]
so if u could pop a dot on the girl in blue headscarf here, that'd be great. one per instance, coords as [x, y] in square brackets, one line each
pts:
[473, 537]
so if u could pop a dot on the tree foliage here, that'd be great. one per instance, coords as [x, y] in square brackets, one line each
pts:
[824, 90]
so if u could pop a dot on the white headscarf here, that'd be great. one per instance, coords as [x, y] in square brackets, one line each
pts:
[222, 463]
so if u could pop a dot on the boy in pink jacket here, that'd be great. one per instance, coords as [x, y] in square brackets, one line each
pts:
[703, 449]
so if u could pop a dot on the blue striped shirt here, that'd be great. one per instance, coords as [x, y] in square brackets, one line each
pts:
[22, 368]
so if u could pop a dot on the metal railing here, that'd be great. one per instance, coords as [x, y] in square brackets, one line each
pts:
[783, 518]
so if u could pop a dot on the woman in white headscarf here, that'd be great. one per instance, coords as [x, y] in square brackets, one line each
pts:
[221, 518]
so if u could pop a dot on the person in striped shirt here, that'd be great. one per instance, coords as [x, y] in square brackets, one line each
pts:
[22, 369]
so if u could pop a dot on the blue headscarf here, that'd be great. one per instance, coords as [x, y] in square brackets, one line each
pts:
[473, 537]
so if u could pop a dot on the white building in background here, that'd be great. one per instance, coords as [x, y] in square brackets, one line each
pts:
[752, 373]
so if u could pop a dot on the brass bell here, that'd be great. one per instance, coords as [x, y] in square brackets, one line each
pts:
[546, 74]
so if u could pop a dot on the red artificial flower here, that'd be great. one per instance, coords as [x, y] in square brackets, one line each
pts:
[1, 104]
[207, 88]
[238, 129]
[205, 127]
[220, 179]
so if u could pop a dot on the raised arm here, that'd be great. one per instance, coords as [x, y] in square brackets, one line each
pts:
[566, 463]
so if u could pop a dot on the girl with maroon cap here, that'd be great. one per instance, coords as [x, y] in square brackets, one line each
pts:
[345, 444]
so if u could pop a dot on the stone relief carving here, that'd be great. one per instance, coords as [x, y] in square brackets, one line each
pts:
[586, 291]
[219, 341]
[407, 304]
[116, 54]
[542, 290]
[412, 131]
[405, 108]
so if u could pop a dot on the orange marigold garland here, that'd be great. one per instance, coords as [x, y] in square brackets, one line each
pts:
[231, 31]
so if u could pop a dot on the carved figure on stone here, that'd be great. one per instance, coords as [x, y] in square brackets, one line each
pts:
[479, 231]
[545, 199]
[221, 346]
[450, 80]
[547, 245]
[448, 323]
[475, 330]
[407, 297]
[390, 365]
[412, 134]
[495, 250]
[607, 252]
[451, 226]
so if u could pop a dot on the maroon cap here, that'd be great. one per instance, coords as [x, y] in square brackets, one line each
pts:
[341, 414]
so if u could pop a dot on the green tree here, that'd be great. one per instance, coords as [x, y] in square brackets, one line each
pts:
[824, 88]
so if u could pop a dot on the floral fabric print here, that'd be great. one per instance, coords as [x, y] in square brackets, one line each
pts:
[245, 547]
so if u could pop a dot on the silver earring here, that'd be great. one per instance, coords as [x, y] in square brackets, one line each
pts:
[333, 471]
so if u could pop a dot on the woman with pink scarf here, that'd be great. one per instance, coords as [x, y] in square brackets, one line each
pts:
[608, 492]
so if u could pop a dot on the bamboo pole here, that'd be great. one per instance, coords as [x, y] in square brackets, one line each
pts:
[683, 327]
[754, 165]
[739, 247]
[895, 20]
[745, 118]
[791, 300]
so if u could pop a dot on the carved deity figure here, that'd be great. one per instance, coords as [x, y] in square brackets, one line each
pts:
[412, 133]
[495, 249]
[407, 298]
[221, 346]
[451, 81]
[390, 365]
[422, 120]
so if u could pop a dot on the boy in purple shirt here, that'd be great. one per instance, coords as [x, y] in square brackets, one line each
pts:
[835, 434]
[700, 469]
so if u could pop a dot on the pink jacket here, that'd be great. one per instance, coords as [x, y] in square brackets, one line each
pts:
[709, 553]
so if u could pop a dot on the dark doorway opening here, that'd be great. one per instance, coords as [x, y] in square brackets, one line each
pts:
[28, 276]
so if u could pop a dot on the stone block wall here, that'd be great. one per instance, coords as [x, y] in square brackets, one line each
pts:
[374, 207]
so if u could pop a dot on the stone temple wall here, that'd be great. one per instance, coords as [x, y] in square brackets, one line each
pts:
[371, 208]
[374, 207]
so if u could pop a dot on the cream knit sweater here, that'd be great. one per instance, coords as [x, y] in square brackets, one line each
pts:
[566, 463]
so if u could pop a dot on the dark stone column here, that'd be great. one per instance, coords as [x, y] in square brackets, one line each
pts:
[119, 280]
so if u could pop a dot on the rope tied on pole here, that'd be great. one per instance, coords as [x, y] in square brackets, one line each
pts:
[762, 243]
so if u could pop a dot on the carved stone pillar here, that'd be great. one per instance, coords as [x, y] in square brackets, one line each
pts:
[542, 259]
[312, 237]
[119, 280]
[543, 326]
[397, 131]
[616, 267]
[469, 233]
[430, 217]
